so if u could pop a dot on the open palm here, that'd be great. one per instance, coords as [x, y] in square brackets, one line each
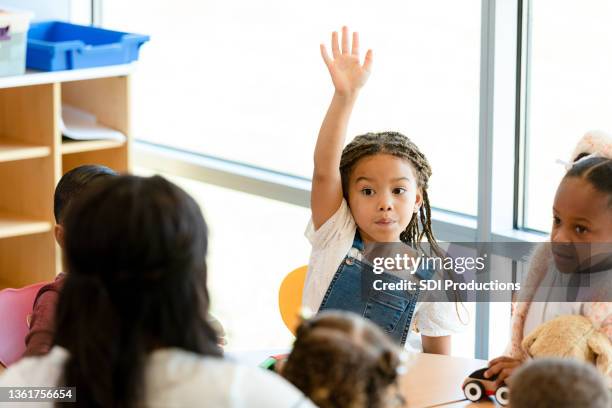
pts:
[345, 68]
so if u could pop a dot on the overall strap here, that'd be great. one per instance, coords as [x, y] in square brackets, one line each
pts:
[357, 241]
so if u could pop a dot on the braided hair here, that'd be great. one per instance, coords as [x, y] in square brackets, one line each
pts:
[340, 360]
[596, 170]
[395, 144]
[398, 145]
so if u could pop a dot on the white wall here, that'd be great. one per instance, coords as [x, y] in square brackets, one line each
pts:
[45, 9]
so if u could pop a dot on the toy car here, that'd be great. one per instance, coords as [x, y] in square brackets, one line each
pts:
[476, 386]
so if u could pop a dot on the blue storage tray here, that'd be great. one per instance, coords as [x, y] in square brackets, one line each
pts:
[56, 46]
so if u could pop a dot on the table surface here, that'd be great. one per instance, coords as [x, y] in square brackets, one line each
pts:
[435, 380]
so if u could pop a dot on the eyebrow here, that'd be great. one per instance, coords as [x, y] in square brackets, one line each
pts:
[575, 219]
[360, 178]
[583, 220]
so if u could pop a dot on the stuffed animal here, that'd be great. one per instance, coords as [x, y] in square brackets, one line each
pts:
[571, 336]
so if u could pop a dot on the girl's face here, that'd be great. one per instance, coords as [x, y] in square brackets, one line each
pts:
[383, 195]
[582, 224]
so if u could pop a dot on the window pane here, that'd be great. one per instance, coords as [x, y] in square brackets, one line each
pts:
[244, 80]
[570, 92]
[253, 243]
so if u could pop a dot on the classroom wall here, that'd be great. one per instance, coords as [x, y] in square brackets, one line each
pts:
[44, 9]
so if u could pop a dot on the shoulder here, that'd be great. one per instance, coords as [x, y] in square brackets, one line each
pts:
[437, 319]
[264, 388]
[36, 371]
[339, 225]
[50, 290]
[181, 378]
[539, 260]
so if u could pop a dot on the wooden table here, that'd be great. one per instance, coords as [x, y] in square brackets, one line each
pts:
[435, 381]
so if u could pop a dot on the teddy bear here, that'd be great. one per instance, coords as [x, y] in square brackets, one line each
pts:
[572, 336]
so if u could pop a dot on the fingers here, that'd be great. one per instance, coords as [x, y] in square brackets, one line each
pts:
[325, 56]
[335, 49]
[355, 47]
[503, 375]
[345, 41]
[506, 367]
[367, 63]
[346, 49]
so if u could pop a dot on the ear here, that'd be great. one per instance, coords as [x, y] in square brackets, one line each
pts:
[529, 340]
[601, 347]
[418, 202]
[58, 231]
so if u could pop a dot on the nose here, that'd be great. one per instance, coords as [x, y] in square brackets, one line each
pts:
[560, 235]
[386, 203]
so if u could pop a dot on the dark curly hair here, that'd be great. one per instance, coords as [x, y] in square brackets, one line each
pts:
[340, 360]
[398, 145]
[559, 383]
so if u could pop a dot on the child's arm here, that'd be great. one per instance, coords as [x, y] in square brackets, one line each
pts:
[436, 345]
[348, 76]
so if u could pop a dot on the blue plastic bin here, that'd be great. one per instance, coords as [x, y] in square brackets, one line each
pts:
[56, 46]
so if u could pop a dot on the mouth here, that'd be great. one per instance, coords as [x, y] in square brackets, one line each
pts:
[564, 254]
[385, 222]
[566, 261]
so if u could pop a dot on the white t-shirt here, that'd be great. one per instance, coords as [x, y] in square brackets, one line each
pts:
[174, 379]
[330, 244]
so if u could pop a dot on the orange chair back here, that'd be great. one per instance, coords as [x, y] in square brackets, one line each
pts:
[290, 297]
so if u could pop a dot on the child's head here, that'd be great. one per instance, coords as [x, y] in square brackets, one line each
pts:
[136, 257]
[341, 360]
[71, 185]
[384, 180]
[559, 383]
[582, 210]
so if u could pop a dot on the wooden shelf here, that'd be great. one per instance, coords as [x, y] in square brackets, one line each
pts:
[33, 157]
[32, 77]
[12, 225]
[10, 151]
[89, 145]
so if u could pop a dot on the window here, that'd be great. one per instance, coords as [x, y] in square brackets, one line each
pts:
[569, 92]
[253, 243]
[244, 81]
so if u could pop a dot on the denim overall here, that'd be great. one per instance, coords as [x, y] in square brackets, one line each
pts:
[351, 289]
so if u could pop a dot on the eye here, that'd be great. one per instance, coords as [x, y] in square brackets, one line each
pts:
[367, 191]
[556, 220]
[399, 190]
[580, 229]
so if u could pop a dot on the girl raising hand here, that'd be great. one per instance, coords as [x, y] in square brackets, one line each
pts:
[372, 191]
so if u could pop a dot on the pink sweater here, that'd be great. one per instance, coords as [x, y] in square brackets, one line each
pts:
[600, 313]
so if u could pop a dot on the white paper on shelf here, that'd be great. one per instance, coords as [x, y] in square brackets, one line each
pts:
[80, 125]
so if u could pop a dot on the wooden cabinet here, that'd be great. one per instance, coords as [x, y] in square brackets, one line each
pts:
[33, 158]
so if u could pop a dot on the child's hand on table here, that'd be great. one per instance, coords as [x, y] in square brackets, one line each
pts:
[347, 73]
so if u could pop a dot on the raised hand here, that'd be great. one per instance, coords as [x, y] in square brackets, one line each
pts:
[345, 68]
